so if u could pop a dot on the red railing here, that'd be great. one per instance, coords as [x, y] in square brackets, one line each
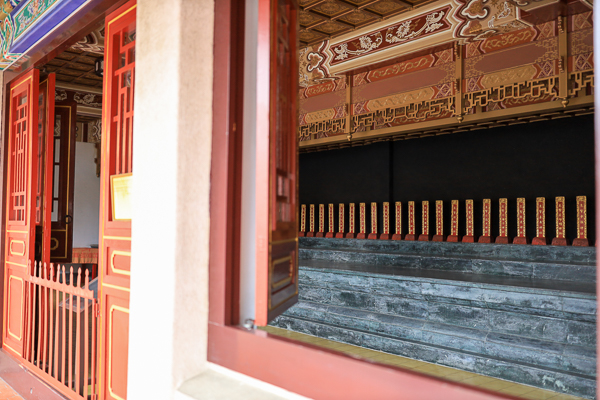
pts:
[60, 330]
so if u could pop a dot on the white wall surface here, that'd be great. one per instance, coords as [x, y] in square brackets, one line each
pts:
[86, 207]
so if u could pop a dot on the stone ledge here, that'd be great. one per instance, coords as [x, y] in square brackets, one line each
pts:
[219, 383]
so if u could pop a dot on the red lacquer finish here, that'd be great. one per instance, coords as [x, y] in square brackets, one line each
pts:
[20, 205]
[276, 170]
[297, 367]
[115, 223]
[45, 170]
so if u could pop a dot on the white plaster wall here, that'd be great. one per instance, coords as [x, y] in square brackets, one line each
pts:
[86, 200]
[171, 186]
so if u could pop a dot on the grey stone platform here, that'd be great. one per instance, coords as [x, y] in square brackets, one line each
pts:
[521, 313]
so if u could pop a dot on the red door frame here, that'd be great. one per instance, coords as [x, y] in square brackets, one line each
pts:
[300, 368]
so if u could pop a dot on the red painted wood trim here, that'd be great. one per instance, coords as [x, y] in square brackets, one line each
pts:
[324, 374]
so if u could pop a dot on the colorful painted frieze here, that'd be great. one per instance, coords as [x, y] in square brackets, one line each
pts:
[540, 222]
[330, 233]
[503, 222]
[302, 220]
[425, 236]
[439, 221]
[469, 222]
[486, 223]
[582, 239]
[453, 237]
[521, 237]
[561, 238]
[340, 233]
[411, 222]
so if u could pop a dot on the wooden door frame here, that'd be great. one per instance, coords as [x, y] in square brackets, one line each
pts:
[298, 367]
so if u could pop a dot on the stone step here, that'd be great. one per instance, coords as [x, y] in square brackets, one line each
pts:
[542, 269]
[543, 314]
[502, 356]
[549, 254]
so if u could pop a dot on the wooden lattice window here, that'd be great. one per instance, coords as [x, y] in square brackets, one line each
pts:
[19, 158]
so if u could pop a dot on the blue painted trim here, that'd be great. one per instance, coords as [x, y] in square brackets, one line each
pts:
[59, 12]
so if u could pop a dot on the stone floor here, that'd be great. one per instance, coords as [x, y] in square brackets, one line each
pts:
[499, 385]
[7, 393]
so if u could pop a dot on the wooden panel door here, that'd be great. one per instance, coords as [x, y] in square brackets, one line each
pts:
[115, 221]
[45, 151]
[20, 205]
[277, 278]
[63, 168]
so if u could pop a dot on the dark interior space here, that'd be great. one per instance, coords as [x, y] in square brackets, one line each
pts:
[542, 159]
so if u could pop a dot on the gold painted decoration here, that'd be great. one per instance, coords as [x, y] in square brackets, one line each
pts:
[453, 221]
[469, 215]
[312, 218]
[362, 220]
[351, 217]
[503, 217]
[439, 218]
[331, 223]
[373, 217]
[521, 237]
[341, 218]
[302, 219]
[424, 221]
[386, 218]
[373, 234]
[398, 218]
[411, 221]
[486, 218]
[581, 239]
[540, 205]
[560, 218]
[321, 220]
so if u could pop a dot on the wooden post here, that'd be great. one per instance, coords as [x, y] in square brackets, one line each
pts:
[362, 223]
[453, 222]
[439, 221]
[521, 233]
[311, 231]
[340, 233]
[373, 234]
[469, 215]
[425, 236]
[398, 235]
[411, 222]
[582, 239]
[486, 236]
[321, 232]
[302, 220]
[351, 217]
[561, 238]
[503, 222]
[386, 222]
[540, 222]
[330, 234]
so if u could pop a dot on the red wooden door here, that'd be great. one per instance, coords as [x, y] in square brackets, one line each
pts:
[45, 151]
[20, 204]
[63, 167]
[115, 221]
[277, 272]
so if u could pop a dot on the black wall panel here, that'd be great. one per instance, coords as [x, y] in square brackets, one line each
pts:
[541, 159]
